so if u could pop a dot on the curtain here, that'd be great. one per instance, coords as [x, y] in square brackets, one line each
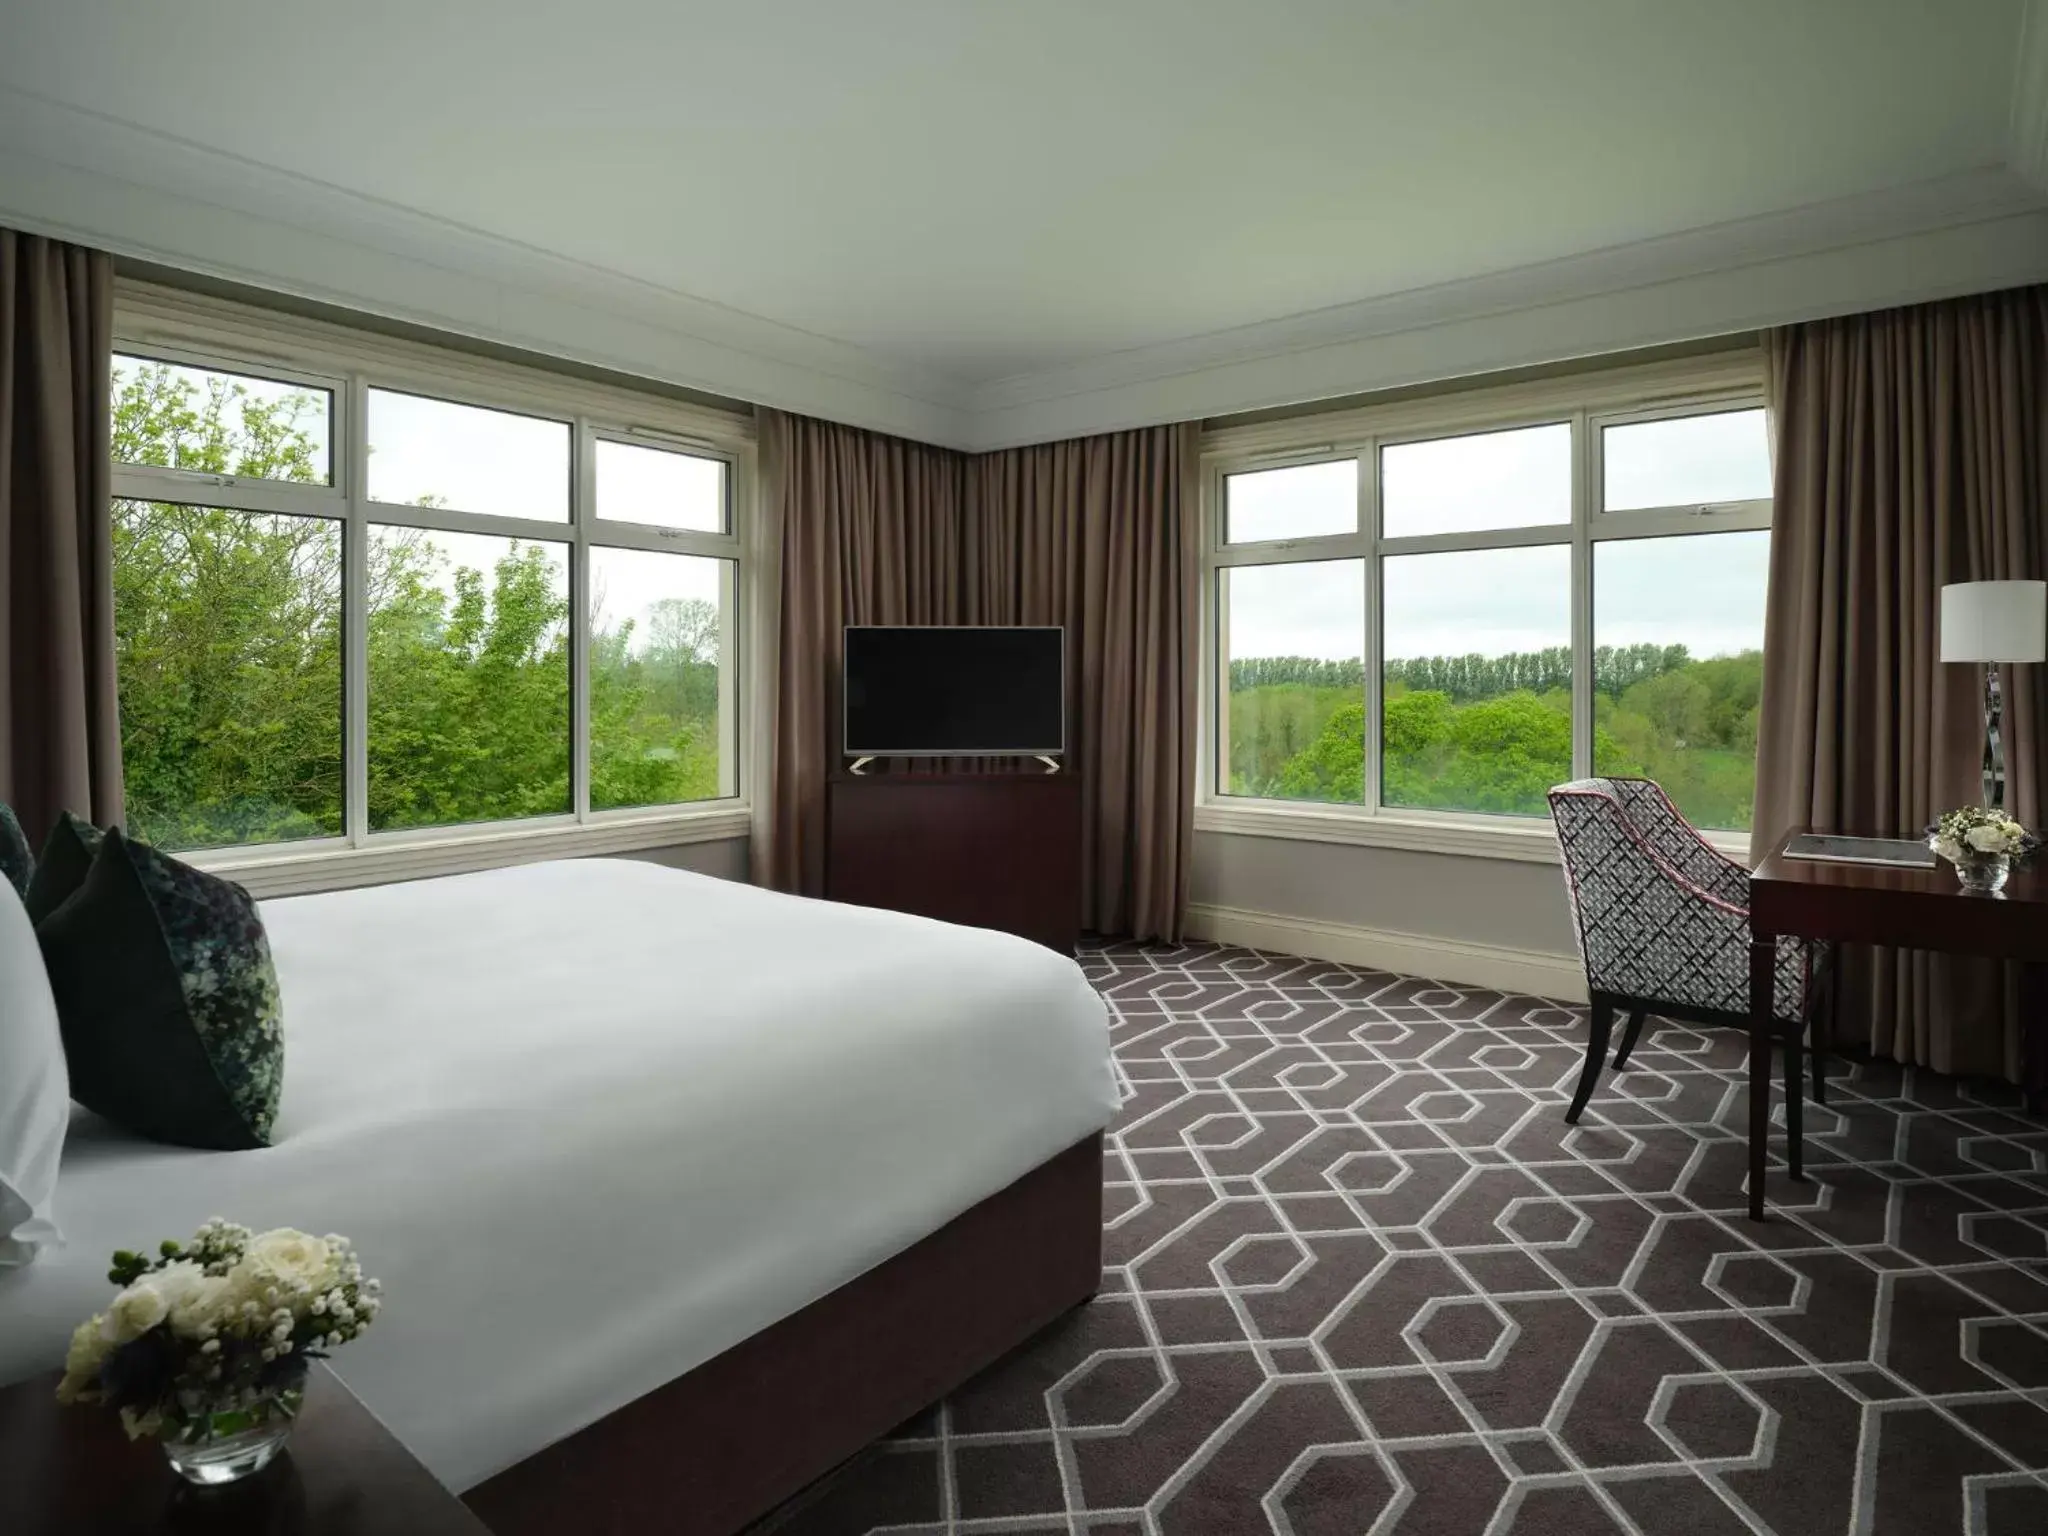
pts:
[60, 730]
[863, 529]
[1099, 535]
[1911, 451]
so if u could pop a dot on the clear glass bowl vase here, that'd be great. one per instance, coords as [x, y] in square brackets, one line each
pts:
[227, 1447]
[1984, 875]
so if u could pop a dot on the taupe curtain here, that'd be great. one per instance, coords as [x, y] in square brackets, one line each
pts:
[60, 729]
[865, 529]
[1912, 451]
[1098, 535]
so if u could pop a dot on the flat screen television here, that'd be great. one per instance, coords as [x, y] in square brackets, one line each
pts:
[955, 690]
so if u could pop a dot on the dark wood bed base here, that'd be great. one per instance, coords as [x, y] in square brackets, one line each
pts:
[741, 1433]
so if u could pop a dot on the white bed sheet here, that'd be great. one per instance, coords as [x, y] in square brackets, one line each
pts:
[594, 1122]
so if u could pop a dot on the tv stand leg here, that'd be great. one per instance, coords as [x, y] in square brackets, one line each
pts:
[1052, 764]
[859, 765]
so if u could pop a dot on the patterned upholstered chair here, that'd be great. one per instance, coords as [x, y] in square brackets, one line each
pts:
[1663, 927]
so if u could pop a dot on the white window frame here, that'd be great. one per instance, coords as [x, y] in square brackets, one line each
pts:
[201, 332]
[1590, 403]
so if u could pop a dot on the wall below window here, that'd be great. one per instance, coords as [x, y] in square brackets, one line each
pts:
[1485, 922]
[725, 858]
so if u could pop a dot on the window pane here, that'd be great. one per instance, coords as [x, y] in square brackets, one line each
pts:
[1516, 479]
[436, 453]
[469, 678]
[1302, 501]
[227, 634]
[655, 623]
[218, 423]
[1292, 641]
[659, 487]
[1686, 461]
[1477, 713]
[1678, 634]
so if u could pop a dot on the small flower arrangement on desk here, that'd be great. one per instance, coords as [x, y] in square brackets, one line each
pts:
[207, 1346]
[1982, 844]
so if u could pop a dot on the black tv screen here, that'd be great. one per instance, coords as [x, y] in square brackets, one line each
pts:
[955, 691]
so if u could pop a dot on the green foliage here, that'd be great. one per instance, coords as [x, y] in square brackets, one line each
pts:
[229, 639]
[1493, 734]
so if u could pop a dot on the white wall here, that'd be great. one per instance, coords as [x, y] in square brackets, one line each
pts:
[1486, 922]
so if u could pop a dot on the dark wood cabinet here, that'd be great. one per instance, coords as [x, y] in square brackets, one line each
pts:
[991, 850]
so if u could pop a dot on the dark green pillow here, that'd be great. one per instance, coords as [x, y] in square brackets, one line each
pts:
[17, 859]
[67, 854]
[167, 1000]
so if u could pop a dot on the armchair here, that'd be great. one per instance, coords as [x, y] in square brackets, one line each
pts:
[1663, 928]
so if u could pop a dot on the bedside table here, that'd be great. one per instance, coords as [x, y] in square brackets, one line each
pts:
[73, 1471]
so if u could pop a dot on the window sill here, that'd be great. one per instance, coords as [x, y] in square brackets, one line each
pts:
[1476, 837]
[297, 871]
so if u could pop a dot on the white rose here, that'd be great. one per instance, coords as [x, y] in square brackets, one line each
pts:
[89, 1348]
[286, 1259]
[1948, 848]
[1990, 839]
[205, 1305]
[134, 1312]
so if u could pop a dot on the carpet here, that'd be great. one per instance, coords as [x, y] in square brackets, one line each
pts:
[1360, 1277]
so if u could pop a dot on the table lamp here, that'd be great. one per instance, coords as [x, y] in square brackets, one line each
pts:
[1993, 622]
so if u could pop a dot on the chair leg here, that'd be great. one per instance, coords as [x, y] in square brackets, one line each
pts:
[1794, 1097]
[1602, 1021]
[1629, 1036]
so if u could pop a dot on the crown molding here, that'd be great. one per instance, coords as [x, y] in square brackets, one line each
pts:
[100, 181]
[1968, 233]
[2027, 148]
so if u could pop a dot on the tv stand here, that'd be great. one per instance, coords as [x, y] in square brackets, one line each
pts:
[990, 850]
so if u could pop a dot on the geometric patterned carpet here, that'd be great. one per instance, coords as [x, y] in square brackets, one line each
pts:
[1362, 1278]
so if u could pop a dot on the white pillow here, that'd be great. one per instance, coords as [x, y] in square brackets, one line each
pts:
[35, 1089]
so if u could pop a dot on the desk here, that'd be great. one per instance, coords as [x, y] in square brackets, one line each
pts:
[1904, 908]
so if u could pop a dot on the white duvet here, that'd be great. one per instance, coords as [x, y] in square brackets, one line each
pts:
[594, 1122]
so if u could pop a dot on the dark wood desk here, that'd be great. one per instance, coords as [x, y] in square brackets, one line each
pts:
[1903, 908]
[72, 1471]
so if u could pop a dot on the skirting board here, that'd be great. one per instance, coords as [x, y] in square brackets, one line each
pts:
[1535, 972]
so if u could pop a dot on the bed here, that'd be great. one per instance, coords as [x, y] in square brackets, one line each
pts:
[645, 1159]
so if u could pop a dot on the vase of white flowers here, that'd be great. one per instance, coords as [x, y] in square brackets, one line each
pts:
[1982, 845]
[207, 1345]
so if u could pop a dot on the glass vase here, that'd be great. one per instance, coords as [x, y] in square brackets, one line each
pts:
[1984, 874]
[218, 1448]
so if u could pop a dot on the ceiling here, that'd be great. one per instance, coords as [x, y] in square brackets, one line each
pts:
[974, 204]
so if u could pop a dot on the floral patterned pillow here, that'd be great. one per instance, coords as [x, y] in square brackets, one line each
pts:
[168, 1000]
[16, 858]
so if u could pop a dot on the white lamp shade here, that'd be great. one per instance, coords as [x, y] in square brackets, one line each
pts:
[1994, 621]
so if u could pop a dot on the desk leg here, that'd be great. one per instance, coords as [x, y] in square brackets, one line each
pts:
[1763, 965]
[2034, 1036]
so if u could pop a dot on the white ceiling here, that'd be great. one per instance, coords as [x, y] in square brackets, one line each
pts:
[978, 204]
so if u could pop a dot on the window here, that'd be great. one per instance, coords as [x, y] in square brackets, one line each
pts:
[658, 679]
[347, 595]
[1516, 479]
[228, 651]
[1292, 709]
[1477, 681]
[209, 421]
[660, 488]
[1302, 501]
[468, 678]
[1521, 602]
